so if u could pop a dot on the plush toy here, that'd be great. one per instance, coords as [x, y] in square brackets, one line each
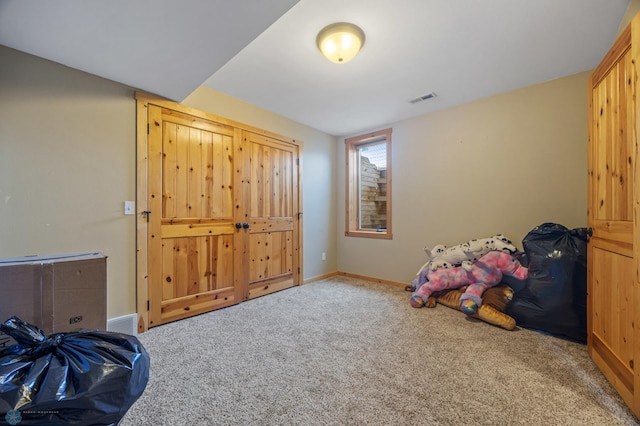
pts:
[494, 304]
[466, 253]
[486, 272]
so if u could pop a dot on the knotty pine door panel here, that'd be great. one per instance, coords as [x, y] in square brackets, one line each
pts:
[273, 214]
[613, 288]
[192, 231]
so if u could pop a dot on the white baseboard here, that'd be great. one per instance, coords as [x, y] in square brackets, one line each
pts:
[127, 324]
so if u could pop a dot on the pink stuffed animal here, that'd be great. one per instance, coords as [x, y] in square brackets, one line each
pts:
[486, 272]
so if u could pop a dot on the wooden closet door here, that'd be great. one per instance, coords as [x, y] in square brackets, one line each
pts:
[218, 212]
[613, 251]
[273, 214]
[191, 234]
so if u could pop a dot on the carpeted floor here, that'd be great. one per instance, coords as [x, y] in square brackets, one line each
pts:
[346, 351]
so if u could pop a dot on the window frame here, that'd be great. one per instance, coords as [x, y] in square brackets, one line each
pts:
[352, 202]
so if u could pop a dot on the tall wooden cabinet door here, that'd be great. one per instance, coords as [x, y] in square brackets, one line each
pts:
[191, 234]
[272, 197]
[613, 281]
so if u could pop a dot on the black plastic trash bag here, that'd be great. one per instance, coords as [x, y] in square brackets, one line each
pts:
[554, 299]
[75, 378]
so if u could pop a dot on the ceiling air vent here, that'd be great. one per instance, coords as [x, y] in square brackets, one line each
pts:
[423, 98]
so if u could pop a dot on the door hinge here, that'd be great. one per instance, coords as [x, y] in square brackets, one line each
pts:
[297, 161]
[298, 269]
[148, 306]
[147, 128]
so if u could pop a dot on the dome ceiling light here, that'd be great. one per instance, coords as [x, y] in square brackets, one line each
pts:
[340, 42]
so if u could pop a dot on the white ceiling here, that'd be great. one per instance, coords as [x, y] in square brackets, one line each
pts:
[165, 47]
[460, 49]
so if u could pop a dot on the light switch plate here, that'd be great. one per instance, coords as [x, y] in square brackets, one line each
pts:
[129, 207]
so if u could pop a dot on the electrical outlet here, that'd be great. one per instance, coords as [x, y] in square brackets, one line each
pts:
[129, 207]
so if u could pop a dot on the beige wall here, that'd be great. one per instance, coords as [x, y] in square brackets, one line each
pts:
[632, 10]
[503, 164]
[67, 150]
[318, 172]
[67, 163]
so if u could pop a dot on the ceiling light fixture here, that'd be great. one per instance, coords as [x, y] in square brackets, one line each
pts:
[340, 42]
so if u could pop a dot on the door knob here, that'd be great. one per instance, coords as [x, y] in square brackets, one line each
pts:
[246, 225]
[238, 225]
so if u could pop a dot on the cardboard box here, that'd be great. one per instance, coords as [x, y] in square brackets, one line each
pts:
[57, 293]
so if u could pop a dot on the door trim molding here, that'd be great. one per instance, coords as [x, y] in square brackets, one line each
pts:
[142, 273]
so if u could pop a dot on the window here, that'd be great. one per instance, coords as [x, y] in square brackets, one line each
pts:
[369, 185]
